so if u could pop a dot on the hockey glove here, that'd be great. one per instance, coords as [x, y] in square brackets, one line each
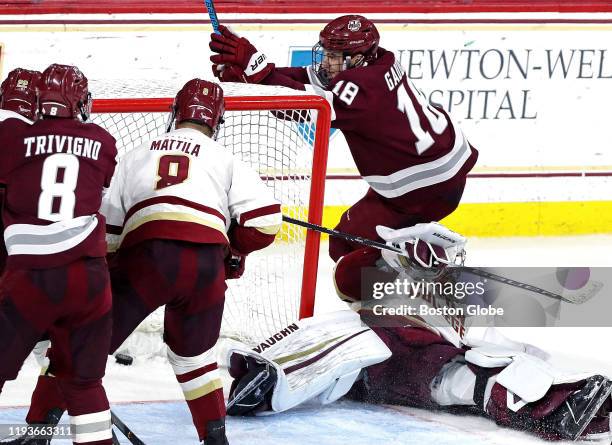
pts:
[234, 265]
[230, 48]
[427, 245]
[229, 73]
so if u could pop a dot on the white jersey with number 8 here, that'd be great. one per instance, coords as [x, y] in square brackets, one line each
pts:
[185, 186]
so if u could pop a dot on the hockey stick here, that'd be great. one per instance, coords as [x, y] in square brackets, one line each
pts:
[127, 432]
[346, 236]
[212, 13]
[578, 299]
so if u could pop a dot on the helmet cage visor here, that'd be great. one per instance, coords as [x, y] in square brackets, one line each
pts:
[326, 63]
[85, 107]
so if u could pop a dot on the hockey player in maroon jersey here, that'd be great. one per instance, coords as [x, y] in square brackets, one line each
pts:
[18, 100]
[19, 95]
[412, 155]
[415, 160]
[181, 214]
[56, 278]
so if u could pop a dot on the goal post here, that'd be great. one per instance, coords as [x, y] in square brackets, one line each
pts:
[285, 136]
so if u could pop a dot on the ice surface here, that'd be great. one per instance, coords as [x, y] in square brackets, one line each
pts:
[159, 423]
[163, 418]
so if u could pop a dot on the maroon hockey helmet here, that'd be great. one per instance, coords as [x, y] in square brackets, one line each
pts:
[199, 101]
[351, 35]
[19, 92]
[64, 92]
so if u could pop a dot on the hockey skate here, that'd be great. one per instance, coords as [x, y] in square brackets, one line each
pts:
[572, 418]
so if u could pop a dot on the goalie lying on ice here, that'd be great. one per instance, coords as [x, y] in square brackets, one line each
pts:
[334, 355]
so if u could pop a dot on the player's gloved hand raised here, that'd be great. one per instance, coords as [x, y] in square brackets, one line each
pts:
[229, 72]
[232, 49]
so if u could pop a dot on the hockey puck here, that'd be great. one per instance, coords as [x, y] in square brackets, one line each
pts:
[124, 359]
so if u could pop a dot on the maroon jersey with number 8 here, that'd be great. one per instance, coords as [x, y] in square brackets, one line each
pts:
[54, 172]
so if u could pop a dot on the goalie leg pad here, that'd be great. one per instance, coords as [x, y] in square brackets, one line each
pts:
[455, 385]
[524, 375]
[579, 410]
[339, 387]
[318, 358]
[528, 393]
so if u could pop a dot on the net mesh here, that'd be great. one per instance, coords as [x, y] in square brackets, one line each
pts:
[279, 145]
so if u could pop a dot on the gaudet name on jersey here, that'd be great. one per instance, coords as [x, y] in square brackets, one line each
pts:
[394, 76]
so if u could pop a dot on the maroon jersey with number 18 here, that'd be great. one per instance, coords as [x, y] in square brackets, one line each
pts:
[401, 144]
[54, 172]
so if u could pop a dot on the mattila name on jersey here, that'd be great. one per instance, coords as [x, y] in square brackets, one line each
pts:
[394, 76]
[173, 144]
[52, 143]
[276, 338]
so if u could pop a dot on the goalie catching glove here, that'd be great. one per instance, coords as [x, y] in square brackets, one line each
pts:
[315, 358]
[429, 245]
[231, 49]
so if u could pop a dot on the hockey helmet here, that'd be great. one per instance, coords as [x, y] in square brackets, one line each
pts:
[19, 92]
[64, 92]
[199, 101]
[350, 35]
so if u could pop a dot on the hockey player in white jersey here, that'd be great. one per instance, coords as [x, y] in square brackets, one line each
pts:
[433, 364]
[180, 211]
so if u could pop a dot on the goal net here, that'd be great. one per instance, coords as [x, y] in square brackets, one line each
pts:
[282, 134]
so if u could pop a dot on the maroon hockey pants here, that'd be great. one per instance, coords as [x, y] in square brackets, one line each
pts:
[429, 204]
[73, 304]
[3, 254]
[190, 280]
